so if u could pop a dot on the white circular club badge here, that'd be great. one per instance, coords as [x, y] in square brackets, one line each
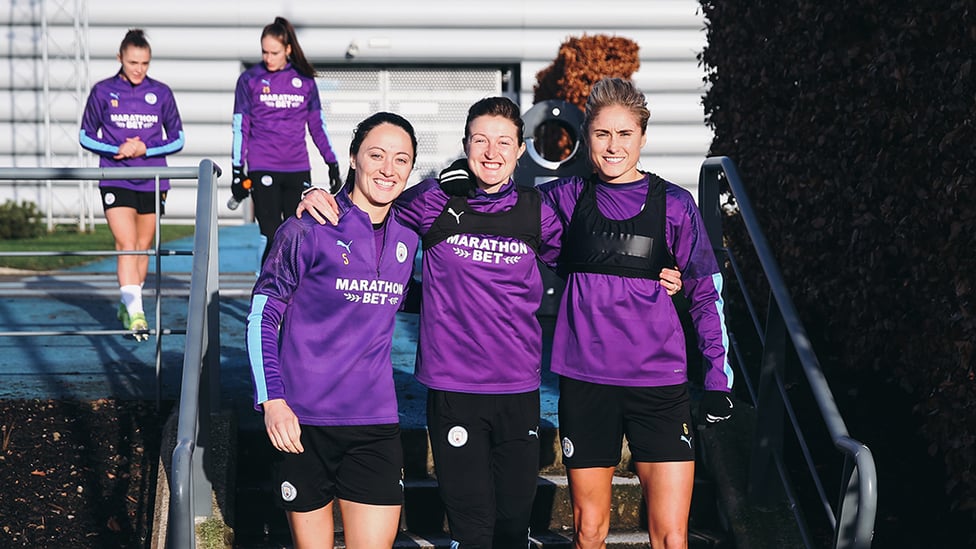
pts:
[288, 491]
[401, 252]
[266, 180]
[151, 98]
[457, 436]
[109, 199]
[568, 448]
[296, 82]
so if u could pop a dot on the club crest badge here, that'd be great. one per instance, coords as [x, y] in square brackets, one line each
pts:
[457, 436]
[288, 491]
[568, 448]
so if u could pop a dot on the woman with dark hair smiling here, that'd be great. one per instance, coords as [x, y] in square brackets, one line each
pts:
[329, 403]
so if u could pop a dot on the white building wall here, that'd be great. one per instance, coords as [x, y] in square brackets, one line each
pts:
[199, 49]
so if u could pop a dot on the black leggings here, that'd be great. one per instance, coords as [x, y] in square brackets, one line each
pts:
[486, 457]
[276, 196]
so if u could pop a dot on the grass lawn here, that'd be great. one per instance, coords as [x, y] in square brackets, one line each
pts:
[68, 238]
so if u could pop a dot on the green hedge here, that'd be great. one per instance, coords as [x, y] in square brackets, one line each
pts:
[20, 220]
[854, 125]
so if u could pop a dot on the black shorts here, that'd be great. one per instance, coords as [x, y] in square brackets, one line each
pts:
[593, 419]
[143, 202]
[363, 464]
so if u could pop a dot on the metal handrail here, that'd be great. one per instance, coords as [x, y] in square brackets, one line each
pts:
[853, 518]
[50, 174]
[190, 489]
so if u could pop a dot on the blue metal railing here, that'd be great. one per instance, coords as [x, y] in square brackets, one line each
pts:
[852, 518]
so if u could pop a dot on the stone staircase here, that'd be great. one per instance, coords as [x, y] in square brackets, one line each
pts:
[258, 524]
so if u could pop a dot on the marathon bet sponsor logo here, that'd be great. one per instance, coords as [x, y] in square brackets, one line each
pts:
[370, 292]
[131, 121]
[282, 100]
[488, 250]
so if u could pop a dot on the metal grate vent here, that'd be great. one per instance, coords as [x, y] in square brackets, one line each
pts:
[435, 101]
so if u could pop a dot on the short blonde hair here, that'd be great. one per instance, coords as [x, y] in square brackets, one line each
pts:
[616, 91]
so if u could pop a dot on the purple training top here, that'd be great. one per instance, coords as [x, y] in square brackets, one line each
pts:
[478, 329]
[320, 330]
[117, 110]
[625, 331]
[271, 111]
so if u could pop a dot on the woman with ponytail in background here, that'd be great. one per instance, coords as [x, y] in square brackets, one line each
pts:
[274, 102]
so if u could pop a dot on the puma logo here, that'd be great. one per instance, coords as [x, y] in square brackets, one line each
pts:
[686, 439]
[344, 245]
[534, 433]
[457, 216]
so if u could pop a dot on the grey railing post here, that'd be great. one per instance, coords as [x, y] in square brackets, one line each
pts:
[853, 530]
[763, 487]
[190, 489]
[853, 517]
[708, 195]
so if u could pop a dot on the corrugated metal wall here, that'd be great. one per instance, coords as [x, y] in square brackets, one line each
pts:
[55, 48]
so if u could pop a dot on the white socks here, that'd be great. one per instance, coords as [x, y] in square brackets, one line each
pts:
[132, 298]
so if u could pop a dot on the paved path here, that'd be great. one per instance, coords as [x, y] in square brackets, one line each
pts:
[98, 365]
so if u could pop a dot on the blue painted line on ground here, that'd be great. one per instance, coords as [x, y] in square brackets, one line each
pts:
[99, 366]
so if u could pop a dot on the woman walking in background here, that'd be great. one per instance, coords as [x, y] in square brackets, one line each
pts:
[274, 102]
[132, 120]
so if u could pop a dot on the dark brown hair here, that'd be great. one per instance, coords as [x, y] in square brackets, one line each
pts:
[495, 106]
[282, 31]
[135, 38]
[366, 126]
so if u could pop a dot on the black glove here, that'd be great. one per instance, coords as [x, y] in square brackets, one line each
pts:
[335, 180]
[457, 179]
[716, 406]
[240, 185]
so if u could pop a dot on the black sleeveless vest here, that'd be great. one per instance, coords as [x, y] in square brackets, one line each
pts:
[634, 248]
[523, 221]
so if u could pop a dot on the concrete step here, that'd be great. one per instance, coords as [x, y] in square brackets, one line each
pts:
[545, 540]
[258, 523]
[636, 539]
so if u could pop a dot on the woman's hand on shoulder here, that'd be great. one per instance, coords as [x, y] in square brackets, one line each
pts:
[320, 205]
